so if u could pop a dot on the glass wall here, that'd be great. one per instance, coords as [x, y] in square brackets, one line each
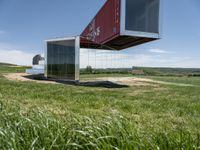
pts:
[142, 15]
[61, 63]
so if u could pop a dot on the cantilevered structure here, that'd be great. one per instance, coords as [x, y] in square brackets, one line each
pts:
[123, 23]
[118, 25]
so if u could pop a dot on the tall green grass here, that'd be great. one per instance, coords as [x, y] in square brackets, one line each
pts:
[47, 116]
[38, 129]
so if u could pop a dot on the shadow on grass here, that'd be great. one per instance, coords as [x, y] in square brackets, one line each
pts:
[103, 84]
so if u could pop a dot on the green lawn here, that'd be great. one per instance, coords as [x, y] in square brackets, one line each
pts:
[184, 80]
[58, 116]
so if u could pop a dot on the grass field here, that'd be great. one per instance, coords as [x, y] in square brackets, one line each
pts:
[58, 116]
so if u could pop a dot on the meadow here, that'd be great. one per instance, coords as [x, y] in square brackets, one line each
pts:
[62, 116]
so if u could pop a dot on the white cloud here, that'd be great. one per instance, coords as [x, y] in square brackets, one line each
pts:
[102, 58]
[16, 57]
[158, 51]
[122, 59]
[110, 59]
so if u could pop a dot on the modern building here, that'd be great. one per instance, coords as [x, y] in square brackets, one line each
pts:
[63, 58]
[118, 25]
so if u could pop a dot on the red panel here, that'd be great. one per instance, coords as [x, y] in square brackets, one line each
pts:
[105, 26]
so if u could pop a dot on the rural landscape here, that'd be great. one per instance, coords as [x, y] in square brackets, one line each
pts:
[159, 109]
[99, 75]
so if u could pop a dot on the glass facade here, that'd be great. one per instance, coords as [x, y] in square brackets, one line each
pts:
[142, 15]
[61, 60]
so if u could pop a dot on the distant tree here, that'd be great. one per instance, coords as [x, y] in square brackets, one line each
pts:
[89, 69]
[37, 59]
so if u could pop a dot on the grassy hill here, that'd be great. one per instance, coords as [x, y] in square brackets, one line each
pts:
[152, 71]
[7, 68]
[170, 71]
[6, 64]
[62, 116]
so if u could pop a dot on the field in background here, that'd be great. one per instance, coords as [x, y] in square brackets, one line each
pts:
[169, 71]
[61, 116]
[146, 71]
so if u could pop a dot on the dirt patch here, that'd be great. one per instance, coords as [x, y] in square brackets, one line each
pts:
[171, 83]
[42, 79]
[129, 81]
[119, 80]
[24, 77]
[140, 81]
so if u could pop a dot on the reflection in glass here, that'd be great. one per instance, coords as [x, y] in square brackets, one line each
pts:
[142, 15]
[61, 59]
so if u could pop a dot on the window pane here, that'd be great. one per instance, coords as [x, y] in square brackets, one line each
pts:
[142, 15]
[61, 59]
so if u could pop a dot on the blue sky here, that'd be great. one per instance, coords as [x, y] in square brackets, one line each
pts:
[25, 24]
